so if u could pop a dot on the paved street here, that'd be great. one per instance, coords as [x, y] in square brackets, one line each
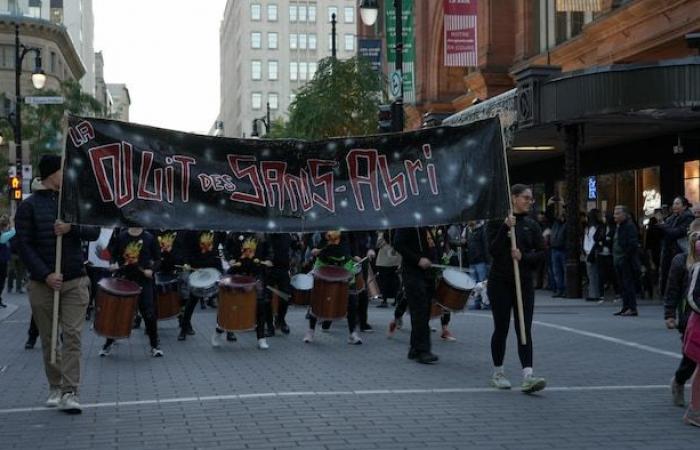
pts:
[607, 378]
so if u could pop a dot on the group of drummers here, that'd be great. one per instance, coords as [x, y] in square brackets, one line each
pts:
[252, 279]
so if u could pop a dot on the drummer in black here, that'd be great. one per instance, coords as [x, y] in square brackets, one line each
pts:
[276, 248]
[201, 251]
[419, 285]
[335, 251]
[250, 262]
[362, 245]
[136, 257]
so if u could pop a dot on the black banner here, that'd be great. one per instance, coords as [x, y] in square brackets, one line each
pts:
[122, 174]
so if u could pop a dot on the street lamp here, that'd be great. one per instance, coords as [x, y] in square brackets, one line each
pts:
[333, 35]
[368, 12]
[265, 120]
[38, 80]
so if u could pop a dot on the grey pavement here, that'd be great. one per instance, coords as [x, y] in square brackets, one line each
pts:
[607, 388]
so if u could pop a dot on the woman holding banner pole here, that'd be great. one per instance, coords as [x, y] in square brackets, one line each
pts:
[502, 286]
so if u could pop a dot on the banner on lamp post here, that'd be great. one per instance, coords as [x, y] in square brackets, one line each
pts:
[461, 33]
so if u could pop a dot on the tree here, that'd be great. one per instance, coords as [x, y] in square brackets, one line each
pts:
[341, 100]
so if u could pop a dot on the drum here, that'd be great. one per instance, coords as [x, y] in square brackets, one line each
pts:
[302, 285]
[237, 303]
[203, 283]
[329, 297]
[115, 306]
[168, 297]
[359, 279]
[453, 289]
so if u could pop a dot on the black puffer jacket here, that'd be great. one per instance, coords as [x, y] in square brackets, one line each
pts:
[36, 241]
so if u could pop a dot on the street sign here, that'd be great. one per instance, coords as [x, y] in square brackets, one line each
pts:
[44, 100]
[396, 84]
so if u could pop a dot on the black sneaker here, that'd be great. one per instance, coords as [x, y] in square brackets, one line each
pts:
[190, 331]
[31, 342]
[183, 335]
[326, 325]
[270, 332]
[412, 354]
[426, 358]
[231, 337]
[284, 328]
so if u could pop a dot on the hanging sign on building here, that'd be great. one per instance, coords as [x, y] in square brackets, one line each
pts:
[409, 49]
[460, 33]
[123, 174]
[371, 49]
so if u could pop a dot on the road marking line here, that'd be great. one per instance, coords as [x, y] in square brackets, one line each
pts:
[213, 398]
[597, 336]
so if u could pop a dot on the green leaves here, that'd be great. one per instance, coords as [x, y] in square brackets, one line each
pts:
[341, 100]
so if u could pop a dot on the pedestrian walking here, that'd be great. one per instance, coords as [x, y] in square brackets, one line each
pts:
[675, 230]
[625, 254]
[37, 231]
[502, 291]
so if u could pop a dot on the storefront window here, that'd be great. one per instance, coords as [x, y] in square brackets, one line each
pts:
[692, 181]
[651, 190]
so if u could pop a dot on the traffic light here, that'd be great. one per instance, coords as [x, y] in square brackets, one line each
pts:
[15, 188]
[396, 116]
[384, 119]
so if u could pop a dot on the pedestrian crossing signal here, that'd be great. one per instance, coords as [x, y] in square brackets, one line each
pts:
[16, 188]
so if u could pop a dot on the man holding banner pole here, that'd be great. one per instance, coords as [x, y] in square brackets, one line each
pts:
[37, 235]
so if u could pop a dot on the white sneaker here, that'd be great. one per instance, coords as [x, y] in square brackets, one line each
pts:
[156, 352]
[105, 351]
[309, 336]
[70, 404]
[499, 381]
[354, 339]
[217, 339]
[54, 398]
[262, 344]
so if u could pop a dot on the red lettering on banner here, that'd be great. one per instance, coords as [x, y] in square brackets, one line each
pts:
[169, 184]
[411, 168]
[396, 186]
[325, 181]
[298, 188]
[273, 177]
[258, 198]
[81, 134]
[121, 156]
[185, 163]
[370, 179]
[142, 192]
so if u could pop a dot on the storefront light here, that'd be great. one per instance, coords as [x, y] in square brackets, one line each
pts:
[535, 148]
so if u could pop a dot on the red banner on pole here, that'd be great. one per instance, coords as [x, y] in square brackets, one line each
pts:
[460, 33]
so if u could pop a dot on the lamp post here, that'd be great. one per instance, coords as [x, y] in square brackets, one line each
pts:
[334, 52]
[369, 10]
[38, 80]
[266, 122]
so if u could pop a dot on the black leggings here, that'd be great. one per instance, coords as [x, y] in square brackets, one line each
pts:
[352, 315]
[503, 299]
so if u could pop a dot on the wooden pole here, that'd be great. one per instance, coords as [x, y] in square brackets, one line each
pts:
[514, 246]
[59, 253]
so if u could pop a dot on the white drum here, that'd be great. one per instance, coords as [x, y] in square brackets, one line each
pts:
[204, 283]
[302, 285]
[453, 289]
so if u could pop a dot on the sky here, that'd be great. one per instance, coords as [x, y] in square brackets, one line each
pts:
[167, 53]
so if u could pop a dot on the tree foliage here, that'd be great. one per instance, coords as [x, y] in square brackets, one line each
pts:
[341, 100]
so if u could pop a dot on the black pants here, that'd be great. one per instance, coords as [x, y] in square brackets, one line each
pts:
[419, 291]
[352, 315]
[686, 368]
[95, 274]
[3, 277]
[388, 281]
[626, 277]
[33, 331]
[147, 310]
[606, 274]
[279, 279]
[503, 300]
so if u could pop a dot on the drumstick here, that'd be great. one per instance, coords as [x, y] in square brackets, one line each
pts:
[281, 294]
[359, 263]
[442, 266]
